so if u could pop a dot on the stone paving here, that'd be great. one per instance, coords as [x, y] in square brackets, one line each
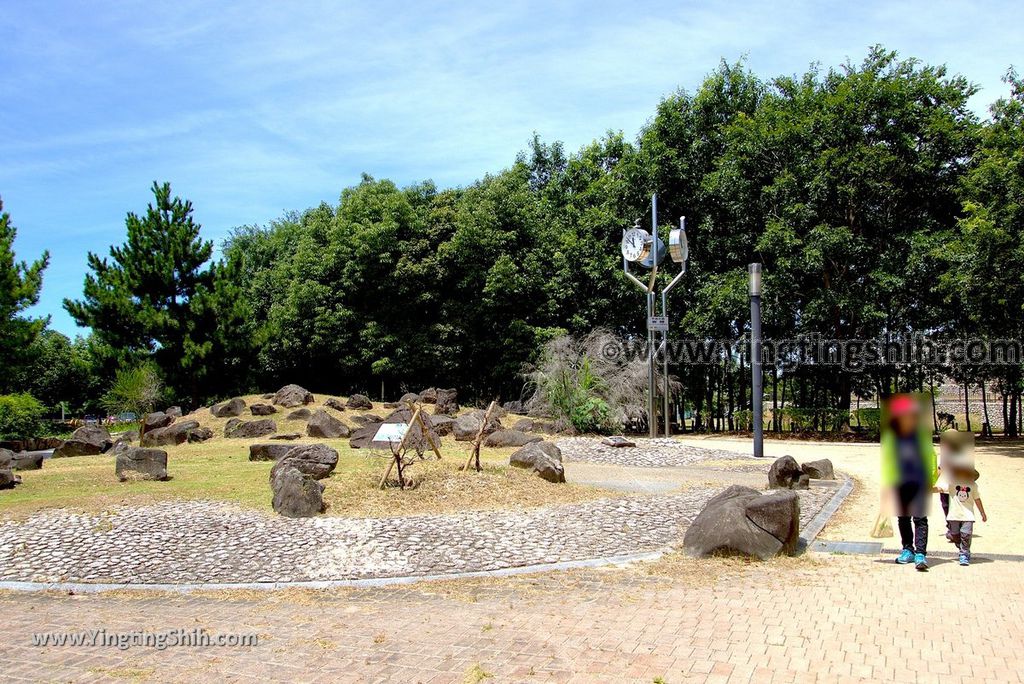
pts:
[814, 619]
[659, 452]
[202, 541]
[215, 542]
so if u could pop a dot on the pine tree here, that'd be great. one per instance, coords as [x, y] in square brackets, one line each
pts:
[154, 296]
[20, 284]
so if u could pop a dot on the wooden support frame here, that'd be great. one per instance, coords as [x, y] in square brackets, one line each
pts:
[475, 454]
[397, 453]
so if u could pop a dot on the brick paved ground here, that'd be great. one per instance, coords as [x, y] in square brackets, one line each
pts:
[824, 618]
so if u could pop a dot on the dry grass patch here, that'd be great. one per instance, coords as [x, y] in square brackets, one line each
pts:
[220, 470]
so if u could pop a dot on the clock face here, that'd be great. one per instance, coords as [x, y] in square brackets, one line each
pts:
[636, 243]
[678, 246]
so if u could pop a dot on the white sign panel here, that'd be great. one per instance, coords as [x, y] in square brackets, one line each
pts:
[391, 432]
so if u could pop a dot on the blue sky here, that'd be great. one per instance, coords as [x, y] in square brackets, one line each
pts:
[252, 109]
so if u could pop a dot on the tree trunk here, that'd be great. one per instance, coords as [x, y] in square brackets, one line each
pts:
[986, 426]
[967, 405]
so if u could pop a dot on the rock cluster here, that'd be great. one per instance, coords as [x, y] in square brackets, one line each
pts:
[87, 440]
[786, 473]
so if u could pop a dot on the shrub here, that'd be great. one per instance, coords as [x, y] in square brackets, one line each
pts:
[135, 390]
[576, 381]
[21, 415]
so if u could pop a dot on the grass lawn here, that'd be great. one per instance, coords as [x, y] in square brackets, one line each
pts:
[220, 470]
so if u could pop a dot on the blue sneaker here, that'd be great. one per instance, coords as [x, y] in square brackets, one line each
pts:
[964, 560]
[920, 562]
[906, 557]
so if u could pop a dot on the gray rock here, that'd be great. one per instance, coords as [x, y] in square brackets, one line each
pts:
[324, 425]
[291, 396]
[300, 414]
[27, 461]
[362, 437]
[173, 434]
[543, 458]
[618, 442]
[228, 409]
[467, 425]
[316, 460]
[335, 404]
[139, 463]
[269, 452]
[173, 411]
[262, 410]
[510, 438]
[742, 521]
[6, 458]
[819, 470]
[785, 473]
[8, 479]
[157, 419]
[409, 398]
[288, 436]
[247, 429]
[428, 396]
[87, 440]
[442, 425]
[198, 435]
[267, 395]
[359, 402]
[447, 402]
[296, 495]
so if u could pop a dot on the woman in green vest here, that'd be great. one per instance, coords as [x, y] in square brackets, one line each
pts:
[909, 472]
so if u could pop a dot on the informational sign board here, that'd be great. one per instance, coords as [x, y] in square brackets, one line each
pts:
[657, 323]
[391, 432]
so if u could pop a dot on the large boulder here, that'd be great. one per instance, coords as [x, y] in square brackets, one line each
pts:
[291, 396]
[173, 434]
[447, 402]
[324, 425]
[514, 407]
[543, 458]
[296, 495]
[27, 460]
[173, 411]
[262, 410]
[228, 409]
[7, 477]
[139, 463]
[362, 436]
[743, 521]
[359, 402]
[468, 425]
[247, 429]
[87, 440]
[157, 419]
[442, 425]
[409, 398]
[428, 396]
[334, 403]
[785, 473]
[316, 460]
[819, 470]
[269, 452]
[199, 435]
[510, 438]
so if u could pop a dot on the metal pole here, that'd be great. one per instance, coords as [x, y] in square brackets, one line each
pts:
[664, 358]
[652, 416]
[755, 358]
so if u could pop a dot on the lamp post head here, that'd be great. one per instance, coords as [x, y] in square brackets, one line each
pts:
[755, 279]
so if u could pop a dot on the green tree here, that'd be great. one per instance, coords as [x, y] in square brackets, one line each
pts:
[60, 371]
[20, 284]
[155, 296]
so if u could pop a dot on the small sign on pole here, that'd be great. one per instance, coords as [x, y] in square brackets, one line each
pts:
[657, 323]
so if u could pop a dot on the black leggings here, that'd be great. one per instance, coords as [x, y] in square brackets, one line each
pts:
[914, 538]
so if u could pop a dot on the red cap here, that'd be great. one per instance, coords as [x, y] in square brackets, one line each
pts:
[902, 404]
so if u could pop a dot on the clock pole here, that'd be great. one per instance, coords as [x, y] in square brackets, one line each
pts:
[648, 250]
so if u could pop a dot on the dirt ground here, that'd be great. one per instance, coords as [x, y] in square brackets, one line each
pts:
[1002, 479]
